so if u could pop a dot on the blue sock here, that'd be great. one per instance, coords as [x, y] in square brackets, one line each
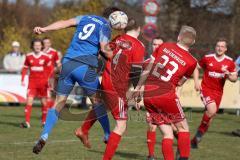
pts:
[52, 118]
[102, 117]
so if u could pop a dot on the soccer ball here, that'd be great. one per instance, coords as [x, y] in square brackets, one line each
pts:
[118, 20]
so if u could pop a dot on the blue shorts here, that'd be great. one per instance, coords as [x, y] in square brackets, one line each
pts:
[75, 71]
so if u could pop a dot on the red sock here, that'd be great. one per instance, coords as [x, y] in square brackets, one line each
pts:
[112, 145]
[167, 149]
[44, 113]
[204, 124]
[89, 121]
[151, 140]
[184, 144]
[28, 111]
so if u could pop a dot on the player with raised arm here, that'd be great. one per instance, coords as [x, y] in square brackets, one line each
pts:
[35, 62]
[170, 66]
[217, 67]
[79, 65]
[124, 67]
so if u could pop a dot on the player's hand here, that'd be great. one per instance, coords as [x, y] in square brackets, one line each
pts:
[225, 71]
[197, 87]
[39, 30]
[136, 95]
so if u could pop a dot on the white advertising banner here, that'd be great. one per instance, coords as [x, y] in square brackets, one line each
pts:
[11, 89]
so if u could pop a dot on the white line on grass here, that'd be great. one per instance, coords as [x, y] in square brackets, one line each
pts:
[63, 141]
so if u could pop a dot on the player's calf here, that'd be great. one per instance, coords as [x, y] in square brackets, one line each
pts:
[27, 110]
[184, 143]
[114, 139]
[202, 129]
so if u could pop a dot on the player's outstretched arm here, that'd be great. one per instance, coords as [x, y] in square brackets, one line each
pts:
[56, 26]
[197, 85]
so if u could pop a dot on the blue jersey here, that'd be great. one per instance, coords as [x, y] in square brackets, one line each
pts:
[90, 31]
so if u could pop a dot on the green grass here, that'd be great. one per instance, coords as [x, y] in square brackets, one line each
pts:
[16, 143]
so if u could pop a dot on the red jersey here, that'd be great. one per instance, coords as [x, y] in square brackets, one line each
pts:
[214, 77]
[54, 59]
[36, 65]
[171, 64]
[117, 72]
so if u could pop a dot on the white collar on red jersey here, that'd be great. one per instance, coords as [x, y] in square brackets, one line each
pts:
[37, 56]
[49, 49]
[219, 59]
[183, 47]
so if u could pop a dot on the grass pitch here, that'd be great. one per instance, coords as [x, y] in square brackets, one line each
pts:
[17, 143]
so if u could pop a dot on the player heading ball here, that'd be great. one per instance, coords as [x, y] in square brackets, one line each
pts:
[79, 65]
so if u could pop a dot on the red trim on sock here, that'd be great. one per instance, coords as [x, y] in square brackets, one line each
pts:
[167, 149]
[184, 144]
[112, 145]
[151, 141]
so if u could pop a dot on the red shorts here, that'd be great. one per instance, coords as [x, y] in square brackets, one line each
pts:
[117, 105]
[164, 109]
[209, 96]
[37, 92]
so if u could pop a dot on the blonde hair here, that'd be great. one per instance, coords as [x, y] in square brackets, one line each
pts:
[187, 35]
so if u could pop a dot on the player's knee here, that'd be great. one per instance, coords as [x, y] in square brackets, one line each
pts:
[95, 100]
[152, 127]
[211, 112]
[168, 135]
[121, 127]
[60, 103]
[182, 126]
[29, 101]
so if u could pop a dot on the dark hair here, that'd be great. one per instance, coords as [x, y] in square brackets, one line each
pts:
[132, 24]
[46, 38]
[107, 11]
[34, 41]
[222, 39]
[157, 37]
